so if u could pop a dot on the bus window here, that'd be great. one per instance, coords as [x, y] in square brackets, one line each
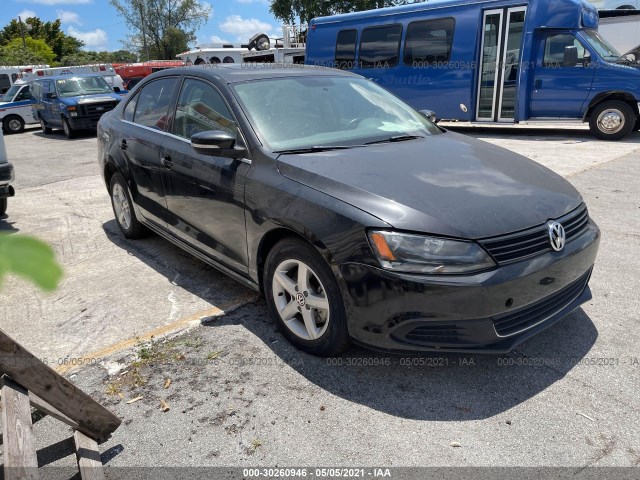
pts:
[379, 46]
[428, 42]
[554, 50]
[346, 49]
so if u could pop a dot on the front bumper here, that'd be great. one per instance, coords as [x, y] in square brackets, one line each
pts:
[6, 177]
[84, 123]
[489, 312]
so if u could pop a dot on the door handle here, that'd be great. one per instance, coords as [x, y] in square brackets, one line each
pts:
[167, 162]
[123, 144]
[537, 84]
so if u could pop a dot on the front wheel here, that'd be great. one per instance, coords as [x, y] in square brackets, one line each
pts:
[612, 120]
[3, 206]
[13, 124]
[123, 209]
[304, 299]
[68, 131]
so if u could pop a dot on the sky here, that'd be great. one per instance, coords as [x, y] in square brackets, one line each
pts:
[96, 23]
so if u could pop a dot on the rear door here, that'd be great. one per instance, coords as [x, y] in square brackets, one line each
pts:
[140, 139]
[560, 90]
[205, 194]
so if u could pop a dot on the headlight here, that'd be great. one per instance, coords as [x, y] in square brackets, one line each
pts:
[402, 252]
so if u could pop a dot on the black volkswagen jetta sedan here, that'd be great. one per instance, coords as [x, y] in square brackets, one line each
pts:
[358, 218]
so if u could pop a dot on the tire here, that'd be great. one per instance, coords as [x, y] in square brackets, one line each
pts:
[318, 328]
[3, 206]
[46, 130]
[612, 120]
[13, 124]
[123, 209]
[66, 128]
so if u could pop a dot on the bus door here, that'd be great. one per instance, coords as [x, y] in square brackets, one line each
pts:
[500, 53]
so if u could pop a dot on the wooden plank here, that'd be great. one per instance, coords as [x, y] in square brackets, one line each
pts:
[20, 460]
[27, 370]
[88, 455]
[43, 407]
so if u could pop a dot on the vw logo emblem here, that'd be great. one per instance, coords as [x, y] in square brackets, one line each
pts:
[557, 237]
[300, 299]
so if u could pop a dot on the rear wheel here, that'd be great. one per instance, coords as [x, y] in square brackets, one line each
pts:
[304, 299]
[123, 209]
[612, 120]
[13, 124]
[46, 130]
[3, 206]
[66, 128]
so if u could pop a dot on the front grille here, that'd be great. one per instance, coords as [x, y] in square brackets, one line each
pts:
[97, 109]
[527, 317]
[534, 241]
[433, 334]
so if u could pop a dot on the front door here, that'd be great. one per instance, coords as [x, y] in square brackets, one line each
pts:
[560, 90]
[501, 48]
[205, 194]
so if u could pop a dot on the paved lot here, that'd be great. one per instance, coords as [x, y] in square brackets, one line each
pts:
[294, 409]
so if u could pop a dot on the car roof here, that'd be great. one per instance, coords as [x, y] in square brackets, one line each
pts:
[233, 73]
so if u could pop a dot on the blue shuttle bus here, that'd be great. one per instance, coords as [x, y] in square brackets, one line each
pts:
[488, 61]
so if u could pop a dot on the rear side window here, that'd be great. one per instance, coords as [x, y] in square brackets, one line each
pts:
[380, 46]
[130, 109]
[429, 42]
[152, 106]
[346, 49]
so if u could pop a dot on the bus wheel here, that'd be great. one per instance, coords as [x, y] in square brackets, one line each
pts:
[612, 120]
[13, 124]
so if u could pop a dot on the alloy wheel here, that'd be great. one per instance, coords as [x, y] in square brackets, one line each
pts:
[121, 206]
[301, 299]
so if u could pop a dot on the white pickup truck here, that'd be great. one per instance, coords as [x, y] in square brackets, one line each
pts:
[15, 108]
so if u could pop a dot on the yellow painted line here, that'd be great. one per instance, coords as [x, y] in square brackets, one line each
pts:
[158, 332]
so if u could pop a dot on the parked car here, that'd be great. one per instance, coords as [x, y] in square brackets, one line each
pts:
[6, 177]
[357, 217]
[16, 108]
[72, 102]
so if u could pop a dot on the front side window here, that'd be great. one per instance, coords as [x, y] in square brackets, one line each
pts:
[380, 46]
[75, 86]
[326, 110]
[555, 47]
[152, 106]
[200, 109]
[346, 49]
[428, 42]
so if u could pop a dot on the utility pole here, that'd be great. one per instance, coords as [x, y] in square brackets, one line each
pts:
[24, 42]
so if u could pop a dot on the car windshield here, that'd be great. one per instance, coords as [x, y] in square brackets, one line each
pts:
[10, 93]
[601, 46]
[71, 87]
[303, 112]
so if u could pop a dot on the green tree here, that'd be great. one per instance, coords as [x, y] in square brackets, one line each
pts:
[165, 26]
[301, 11]
[51, 32]
[36, 52]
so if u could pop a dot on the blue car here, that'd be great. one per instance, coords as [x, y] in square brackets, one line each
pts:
[72, 102]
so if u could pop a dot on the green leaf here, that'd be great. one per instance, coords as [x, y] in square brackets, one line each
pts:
[29, 258]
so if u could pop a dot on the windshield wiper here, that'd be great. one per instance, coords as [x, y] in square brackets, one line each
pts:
[317, 148]
[396, 138]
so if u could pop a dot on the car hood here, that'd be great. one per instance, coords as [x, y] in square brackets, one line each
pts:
[447, 184]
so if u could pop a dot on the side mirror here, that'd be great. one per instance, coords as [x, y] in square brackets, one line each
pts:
[570, 58]
[217, 143]
[431, 115]
[116, 89]
[50, 96]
